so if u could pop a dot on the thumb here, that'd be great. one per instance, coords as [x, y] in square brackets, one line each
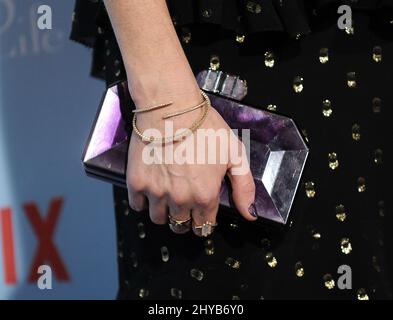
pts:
[243, 186]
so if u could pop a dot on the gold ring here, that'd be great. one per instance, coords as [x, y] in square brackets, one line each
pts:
[207, 228]
[179, 226]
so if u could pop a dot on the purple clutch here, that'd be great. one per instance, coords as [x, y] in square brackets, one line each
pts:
[277, 150]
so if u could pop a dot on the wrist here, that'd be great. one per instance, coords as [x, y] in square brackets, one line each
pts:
[180, 100]
[148, 91]
[153, 90]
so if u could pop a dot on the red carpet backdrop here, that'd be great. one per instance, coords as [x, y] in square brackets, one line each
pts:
[50, 213]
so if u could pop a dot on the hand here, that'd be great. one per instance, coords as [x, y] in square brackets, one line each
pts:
[189, 189]
[158, 71]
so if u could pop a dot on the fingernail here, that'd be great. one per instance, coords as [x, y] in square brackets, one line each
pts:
[252, 210]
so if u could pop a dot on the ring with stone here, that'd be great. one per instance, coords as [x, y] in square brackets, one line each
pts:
[205, 229]
[179, 226]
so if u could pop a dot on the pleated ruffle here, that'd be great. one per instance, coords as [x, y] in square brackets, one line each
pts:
[291, 18]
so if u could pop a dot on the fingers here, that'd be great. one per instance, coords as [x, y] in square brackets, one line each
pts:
[243, 186]
[243, 194]
[138, 195]
[137, 200]
[180, 219]
[204, 220]
[158, 210]
[175, 205]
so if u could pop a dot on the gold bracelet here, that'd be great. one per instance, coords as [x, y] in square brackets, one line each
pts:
[158, 106]
[180, 136]
[178, 113]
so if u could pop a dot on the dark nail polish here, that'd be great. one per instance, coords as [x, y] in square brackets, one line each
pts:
[253, 210]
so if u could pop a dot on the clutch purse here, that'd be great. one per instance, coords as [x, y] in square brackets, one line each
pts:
[277, 150]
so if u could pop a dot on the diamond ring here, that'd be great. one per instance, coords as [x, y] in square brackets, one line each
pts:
[206, 228]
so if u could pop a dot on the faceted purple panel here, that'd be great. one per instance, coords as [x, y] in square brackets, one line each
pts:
[277, 156]
[277, 152]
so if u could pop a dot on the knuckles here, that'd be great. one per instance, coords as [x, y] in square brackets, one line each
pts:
[179, 200]
[156, 192]
[205, 198]
[135, 183]
[181, 195]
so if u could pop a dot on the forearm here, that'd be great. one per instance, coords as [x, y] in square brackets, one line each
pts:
[157, 69]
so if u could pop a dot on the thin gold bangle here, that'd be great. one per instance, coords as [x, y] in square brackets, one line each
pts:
[151, 108]
[179, 136]
[178, 113]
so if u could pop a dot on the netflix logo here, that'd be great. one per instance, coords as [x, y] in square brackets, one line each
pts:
[44, 226]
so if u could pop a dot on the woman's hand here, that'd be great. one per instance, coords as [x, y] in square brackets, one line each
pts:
[190, 189]
[158, 72]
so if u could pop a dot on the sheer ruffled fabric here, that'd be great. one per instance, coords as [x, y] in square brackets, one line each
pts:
[293, 17]
[289, 18]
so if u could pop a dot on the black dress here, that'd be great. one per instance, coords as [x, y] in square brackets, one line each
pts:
[337, 85]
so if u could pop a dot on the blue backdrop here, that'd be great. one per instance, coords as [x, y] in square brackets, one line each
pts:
[47, 104]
